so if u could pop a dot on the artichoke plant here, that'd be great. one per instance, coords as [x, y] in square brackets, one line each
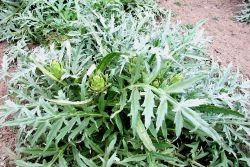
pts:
[153, 100]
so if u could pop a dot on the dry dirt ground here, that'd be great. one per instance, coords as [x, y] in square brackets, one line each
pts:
[231, 42]
[230, 39]
[7, 134]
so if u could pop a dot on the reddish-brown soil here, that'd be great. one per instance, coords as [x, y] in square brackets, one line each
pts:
[230, 39]
[7, 135]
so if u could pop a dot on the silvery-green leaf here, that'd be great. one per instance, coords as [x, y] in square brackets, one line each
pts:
[133, 158]
[119, 124]
[22, 163]
[39, 131]
[112, 160]
[88, 161]
[178, 120]
[79, 129]
[180, 86]
[62, 162]
[95, 146]
[200, 123]
[194, 102]
[56, 126]
[111, 145]
[143, 135]
[66, 129]
[148, 105]
[77, 158]
[161, 112]
[217, 110]
[134, 108]
[67, 102]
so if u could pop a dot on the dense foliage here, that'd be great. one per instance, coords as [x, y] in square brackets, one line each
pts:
[57, 20]
[122, 89]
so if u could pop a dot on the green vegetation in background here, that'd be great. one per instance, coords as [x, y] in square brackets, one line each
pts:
[48, 21]
[244, 14]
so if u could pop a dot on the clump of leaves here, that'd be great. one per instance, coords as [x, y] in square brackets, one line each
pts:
[131, 93]
[55, 21]
[244, 14]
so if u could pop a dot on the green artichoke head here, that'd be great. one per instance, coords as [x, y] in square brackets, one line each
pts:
[98, 81]
[56, 69]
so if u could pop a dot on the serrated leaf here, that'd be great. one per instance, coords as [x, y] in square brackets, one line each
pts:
[148, 105]
[39, 131]
[200, 123]
[134, 108]
[119, 124]
[195, 119]
[143, 135]
[21, 163]
[193, 31]
[111, 160]
[217, 110]
[134, 158]
[168, 158]
[107, 133]
[55, 127]
[18, 122]
[111, 145]
[228, 134]
[47, 106]
[37, 151]
[77, 157]
[246, 129]
[79, 129]
[66, 129]
[180, 86]
[87, 161]
[161, 113]
[95, 146]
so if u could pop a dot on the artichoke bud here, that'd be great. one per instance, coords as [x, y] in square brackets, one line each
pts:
[156, 83]
[98, 81]
[56, 69]
[176, 78]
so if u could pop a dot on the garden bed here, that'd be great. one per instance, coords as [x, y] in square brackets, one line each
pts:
[229, 40]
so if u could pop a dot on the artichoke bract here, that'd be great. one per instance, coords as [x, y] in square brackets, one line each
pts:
[98, 81]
